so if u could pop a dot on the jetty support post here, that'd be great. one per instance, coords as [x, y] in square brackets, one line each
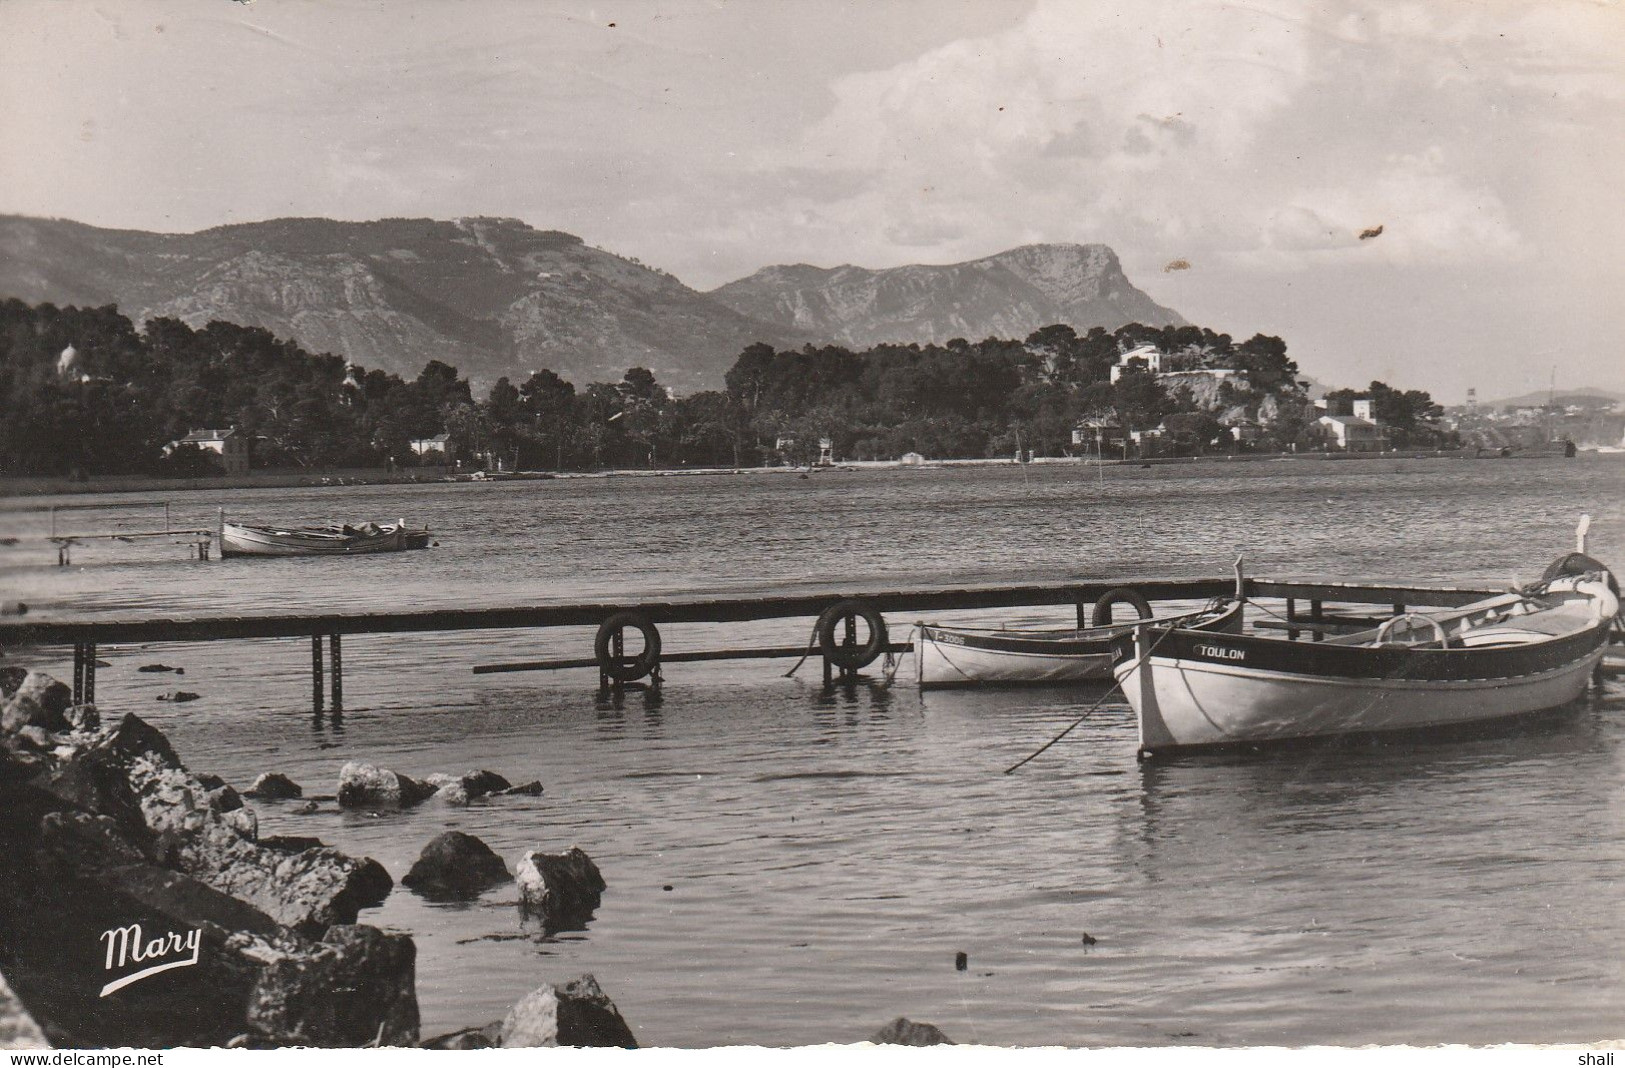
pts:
[316, 674]
[1292, 617]
[1317, 617]
[609, 685]
[850, 641]
[335, 663]
[84, 673]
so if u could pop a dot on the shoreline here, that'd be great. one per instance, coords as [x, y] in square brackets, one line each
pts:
[21, 486]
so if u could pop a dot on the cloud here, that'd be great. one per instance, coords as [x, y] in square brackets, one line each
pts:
[1269, 133]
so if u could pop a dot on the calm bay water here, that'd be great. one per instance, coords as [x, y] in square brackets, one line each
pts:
[828, 854]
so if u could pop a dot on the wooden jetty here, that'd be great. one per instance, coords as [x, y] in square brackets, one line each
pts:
[200, 541]
[837, 634]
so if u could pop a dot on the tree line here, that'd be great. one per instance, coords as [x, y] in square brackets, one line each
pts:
[130, 393]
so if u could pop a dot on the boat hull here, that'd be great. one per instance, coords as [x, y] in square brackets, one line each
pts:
[947, 657]
[238, 540]
[1194, 691]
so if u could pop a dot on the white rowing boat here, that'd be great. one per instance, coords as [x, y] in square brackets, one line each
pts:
[1503, 657]
[239, 539]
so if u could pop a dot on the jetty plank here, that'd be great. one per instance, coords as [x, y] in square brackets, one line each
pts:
[692, 609]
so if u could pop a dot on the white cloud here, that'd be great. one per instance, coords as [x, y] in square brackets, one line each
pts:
[1263, 132]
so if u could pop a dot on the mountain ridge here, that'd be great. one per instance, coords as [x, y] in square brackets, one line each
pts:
[497, 297]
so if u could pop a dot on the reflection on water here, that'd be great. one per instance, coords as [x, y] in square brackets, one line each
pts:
[788, 865]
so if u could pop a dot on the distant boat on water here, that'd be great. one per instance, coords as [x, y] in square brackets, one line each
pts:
[241, 539]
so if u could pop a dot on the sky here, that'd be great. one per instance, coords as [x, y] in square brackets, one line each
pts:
[1231, 153]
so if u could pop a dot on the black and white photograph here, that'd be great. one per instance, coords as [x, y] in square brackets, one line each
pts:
[677, 525]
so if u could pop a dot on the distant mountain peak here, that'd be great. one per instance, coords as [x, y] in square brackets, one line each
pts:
[1008, 294]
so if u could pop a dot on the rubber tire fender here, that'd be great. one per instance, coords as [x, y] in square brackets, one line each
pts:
[1102, 615]
[844, 656]
[643, 663]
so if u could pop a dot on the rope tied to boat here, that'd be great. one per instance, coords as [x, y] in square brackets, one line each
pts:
[1116, 685]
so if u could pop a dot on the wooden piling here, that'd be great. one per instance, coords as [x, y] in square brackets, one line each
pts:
[316, 674]
[335, 660]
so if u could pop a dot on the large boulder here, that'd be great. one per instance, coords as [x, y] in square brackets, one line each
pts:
[363, 785]
[577, 1013]
[456, 865]
[905, 1032]
[39, 701]
[354, 989]
[132, 775]
[560, 889]
[66, 876]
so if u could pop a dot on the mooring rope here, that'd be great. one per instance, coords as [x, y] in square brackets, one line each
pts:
[812, 643]
[1116, 685]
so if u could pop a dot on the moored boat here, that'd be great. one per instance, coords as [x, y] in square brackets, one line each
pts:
[1011, 656]
[1503, 657]
[241, 539]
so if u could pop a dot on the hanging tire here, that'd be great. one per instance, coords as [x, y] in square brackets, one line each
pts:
[622, 670]
[1122, 595]
[851, 657]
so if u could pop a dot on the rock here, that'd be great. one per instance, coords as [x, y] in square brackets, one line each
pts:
[84, 718]
[151, 668]
[73, 872]
[38, 737]
[529, 789]
[487, 1037]
[18, 1029]
[469, 786]
[575, 1014]
[364, 785]
[905, 1032]
[179, 696]
[132, 775]
[480, 783]
[560, 889]
[10, 679]
[39, 701]
[452, 793]
[223, 797]
[243, 821]
[291, 843]
[356, 989]
[273, 786]
[454, 865]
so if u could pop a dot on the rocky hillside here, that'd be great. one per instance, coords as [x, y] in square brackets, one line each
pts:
[1007, 295]
[492, 296]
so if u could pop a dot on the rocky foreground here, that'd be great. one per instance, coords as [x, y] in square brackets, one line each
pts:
[139, 905]
[111, 848]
